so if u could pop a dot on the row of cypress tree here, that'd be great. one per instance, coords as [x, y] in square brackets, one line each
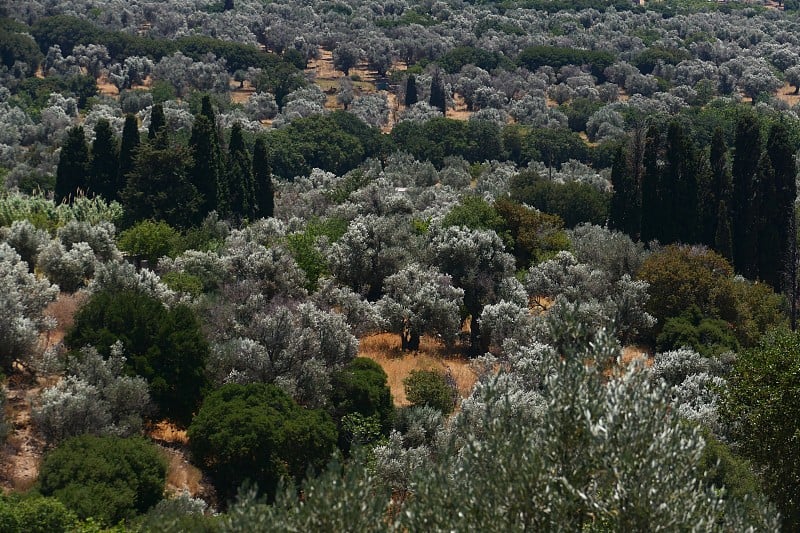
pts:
[738, 200]
[160, 178]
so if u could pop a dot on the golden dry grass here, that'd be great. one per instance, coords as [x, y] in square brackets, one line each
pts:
[182, 476]
[384, 349]
[63, 311]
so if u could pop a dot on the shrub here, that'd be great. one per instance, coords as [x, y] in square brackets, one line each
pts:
[35, 514]
[106, 478]
[257, 433]
[430, 388]
[164, 346]
[149, 240]
[360, 389]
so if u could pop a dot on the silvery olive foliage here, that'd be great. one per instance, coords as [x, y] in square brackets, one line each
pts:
[371, 249]
[419, 300]
[23, 298]
[610, 302]
[362, 316]
[68, 267]
[373, 109]
[694, 384]
[261, 106]
[294, 347]
[26, 240]
[94, 397]
[118, 276]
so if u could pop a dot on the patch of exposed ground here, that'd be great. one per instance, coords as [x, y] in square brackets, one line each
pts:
[384, 349]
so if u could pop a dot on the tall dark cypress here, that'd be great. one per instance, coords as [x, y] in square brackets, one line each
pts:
[240, 177]
[73, 166]
[158, 186]
[205, 172]
[104, 162]
[779, 215]
[411, 91]
[746, 156]
[723, 237]
[625, 212]
[127, 150]
[262, 178]
[718, 190]
[679, 186]
[157, 121]
[437, 98]
[652, 205]
[765, 200]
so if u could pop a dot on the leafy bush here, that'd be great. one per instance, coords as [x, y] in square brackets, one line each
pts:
[430, 388]
[762, 403]
[106, 478]
[360, 388]
[149, 240]
[709, 336]
[35, 514]
[257, 433]
[164, 346]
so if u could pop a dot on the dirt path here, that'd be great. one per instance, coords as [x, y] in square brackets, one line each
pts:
[22, 452]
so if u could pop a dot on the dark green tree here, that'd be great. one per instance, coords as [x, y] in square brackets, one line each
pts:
[164, 346]
[262, 180]
[437, 98]
[723, 234]
[158, 187]
[718, 189]
[73, 166]
[109, 479]
[762, 403]
[157, 121]
[104, 162]
[625, 212]
[227, 5]
[206, 170]
[361, 388]
[240, 176]
[746, 157]
[257, 433]
[127, 151]
[776, 216]
[680, 186]
[411, 91]
[652, 203]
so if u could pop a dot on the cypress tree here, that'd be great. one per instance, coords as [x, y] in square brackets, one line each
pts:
[651, 186]
[157, 121]
[723, 237]
[158, 186]
[746, 156]
[779, 215]
[625, 211]
[411, 91]
[104, 162]
[769, 251]
[73, 166]
[437, 98]
[717, 190]
[262, 177]
[240, 177]
[127, 150]
[679, 186]
[205, 172]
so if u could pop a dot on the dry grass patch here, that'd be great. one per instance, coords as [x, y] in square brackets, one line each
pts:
[384, 349]
[63, 311]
